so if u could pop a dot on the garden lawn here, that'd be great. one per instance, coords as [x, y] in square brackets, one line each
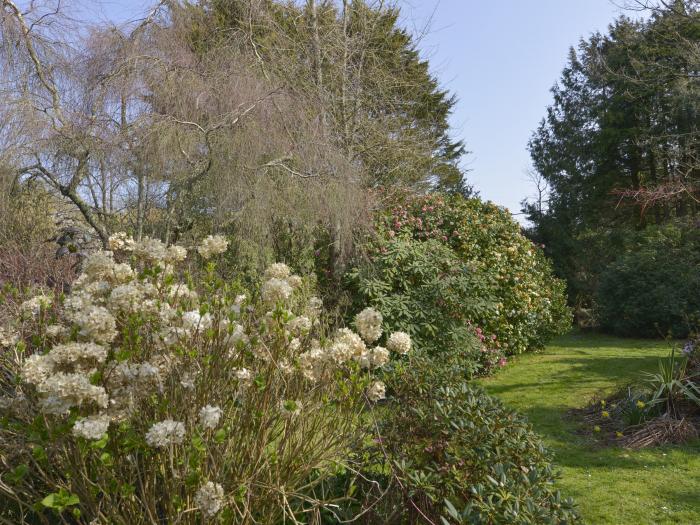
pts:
[610, 485]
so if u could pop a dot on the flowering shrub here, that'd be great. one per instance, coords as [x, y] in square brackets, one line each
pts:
[426, 292]
[148, 396]
[529, 304]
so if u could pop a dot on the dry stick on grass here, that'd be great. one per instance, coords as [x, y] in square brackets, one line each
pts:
[661, 431]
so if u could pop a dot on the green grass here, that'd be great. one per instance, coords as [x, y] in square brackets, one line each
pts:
[610, 485]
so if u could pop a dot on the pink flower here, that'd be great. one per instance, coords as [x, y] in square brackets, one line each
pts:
[502, 361]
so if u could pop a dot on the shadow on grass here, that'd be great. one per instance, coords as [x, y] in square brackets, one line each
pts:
[569, 373]
[593, 341]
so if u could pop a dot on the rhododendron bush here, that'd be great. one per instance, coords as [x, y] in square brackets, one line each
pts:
[529, 303]
[149, 395]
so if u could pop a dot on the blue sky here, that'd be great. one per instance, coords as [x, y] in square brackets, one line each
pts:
[500, 58]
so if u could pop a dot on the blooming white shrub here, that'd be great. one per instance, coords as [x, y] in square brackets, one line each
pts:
[209, 416]
[33, 306]
[166, 433]
[376, 391]
[210, 498]
[212, 245]
[93, 427]
[369, 324]
[399, 342]
[145, 375]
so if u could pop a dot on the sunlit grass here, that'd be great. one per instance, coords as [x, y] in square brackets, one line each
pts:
[611, 485]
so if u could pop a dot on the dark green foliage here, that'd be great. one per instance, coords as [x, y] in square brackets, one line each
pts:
[457, 455]
[653, 288]
[424, 289]
[619, 146]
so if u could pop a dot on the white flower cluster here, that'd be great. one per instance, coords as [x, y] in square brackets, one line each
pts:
[166, 433]
[93, 427]
[399, 342]
[369, 324]
[62, 376]
[90, 371]
[300, 325]
[376, 391]
[279, 284]
[210, 498]
[97, 323]
[121, 242]
[34, 305]
[346, 346]
[276, 290]
[212, 245]
[8, 338]
[65, 390]
[209, 416]
[151, 250]
[277, 271]
[194, 322]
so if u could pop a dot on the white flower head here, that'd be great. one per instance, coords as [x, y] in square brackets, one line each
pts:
[209, 416]
[379, 356]
[93, 427]
[120, 241]
[150, 249]
[53, 330]
[295, 281]
[193, 322]
[276, 290]
[399, 342]
[126, 298]
[182, 292]
[97, 323]
[352, 340]
[376, 391]
[176, 253]
[75, 353]
[37, 368]
[34, 305]
[166, 433]
[300, 325]
[277, 271]
[369, 324]
[73, 389]
[98, 265]
[10, 338]
[212, 245]
[236, 336]
[210, 498]
[315, 307]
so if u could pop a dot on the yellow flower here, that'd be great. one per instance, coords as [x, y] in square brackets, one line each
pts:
[618, 434]
[640, 404]
[605, 413]
[596, 428]
[602, 403]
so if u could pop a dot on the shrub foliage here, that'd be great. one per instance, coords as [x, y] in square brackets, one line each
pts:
[503, 285]
[653, 288]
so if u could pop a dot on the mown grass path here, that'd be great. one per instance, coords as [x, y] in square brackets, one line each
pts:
[611, 485]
